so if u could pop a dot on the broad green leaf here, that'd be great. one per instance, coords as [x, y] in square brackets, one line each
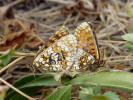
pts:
[93, 97]
[87, 91]
[1, 98]
[23, 81]
[31, 82]
[111, 95]
[83, 97]
[128, 37]
[5, 60]
[130, 11]
[115, 79]
[61, 94]
[29, 91]
[129, 45]
[92, 93]
[92, 90]
[96, 90]
[112, 79]
[86, 94]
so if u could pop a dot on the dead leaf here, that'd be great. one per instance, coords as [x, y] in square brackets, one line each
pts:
[34, 43]
[78, 7]
[16, 32]
[11, 26]
[15, 41]
[6, 12]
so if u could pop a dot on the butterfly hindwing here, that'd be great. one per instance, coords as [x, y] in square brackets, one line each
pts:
[83, 60]
[59, 56]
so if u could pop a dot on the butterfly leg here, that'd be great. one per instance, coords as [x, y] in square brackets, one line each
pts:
[60, 75]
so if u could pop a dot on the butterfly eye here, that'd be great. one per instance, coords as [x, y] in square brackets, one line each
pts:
[101, 63]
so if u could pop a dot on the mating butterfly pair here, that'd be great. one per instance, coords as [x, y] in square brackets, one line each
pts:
[74, 52]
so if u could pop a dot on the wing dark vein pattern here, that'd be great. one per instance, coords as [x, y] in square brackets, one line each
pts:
[59, 56]
[86, 39]
[63, 31]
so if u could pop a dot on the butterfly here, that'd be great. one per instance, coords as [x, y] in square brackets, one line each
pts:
[74, 52]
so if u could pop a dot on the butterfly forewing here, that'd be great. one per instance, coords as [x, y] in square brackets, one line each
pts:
[86, 39]
[59, 56]
[63, 31]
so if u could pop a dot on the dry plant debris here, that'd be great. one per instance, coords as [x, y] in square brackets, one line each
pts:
[16, 32]
[72, 9]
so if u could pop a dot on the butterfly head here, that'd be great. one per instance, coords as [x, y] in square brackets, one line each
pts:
[30, 66]
[98, 65]
[101, 63]
[102, 60]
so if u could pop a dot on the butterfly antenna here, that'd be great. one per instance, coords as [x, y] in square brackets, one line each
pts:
[32, 69]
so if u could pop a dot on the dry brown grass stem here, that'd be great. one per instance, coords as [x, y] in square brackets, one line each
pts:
[116, 49]
[119, 42]
[63, 2]
[113, 57]
[42, 12]
[39, 38]
[104, 35]
[115, 61]
[12, 63]
[16, 2]
[103, 19]
[20, 92]
[22, 54]
[67, 19]
[113, 14]
[32, 21]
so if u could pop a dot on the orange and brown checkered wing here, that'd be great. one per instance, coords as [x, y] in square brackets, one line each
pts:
[59, 56]
[63, 31]
[86, 39]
